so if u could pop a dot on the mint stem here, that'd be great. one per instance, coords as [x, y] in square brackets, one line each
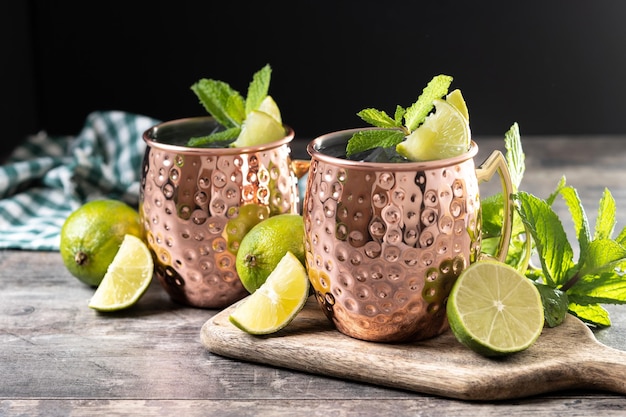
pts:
[569, 284]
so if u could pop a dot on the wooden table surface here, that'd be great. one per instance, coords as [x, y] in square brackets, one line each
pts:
[58, 357]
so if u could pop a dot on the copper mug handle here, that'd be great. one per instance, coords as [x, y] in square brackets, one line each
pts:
[300, 167]
[496, 163]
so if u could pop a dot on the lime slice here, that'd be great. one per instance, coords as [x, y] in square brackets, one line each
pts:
[127, 277]
[444, 134]
[275, 304]
[456, 99]
[495, 310]
[259, 128]
[269, 106]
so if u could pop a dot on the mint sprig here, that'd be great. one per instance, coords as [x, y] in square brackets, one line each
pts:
[228, 106]
[404, 121]
[597, 277]
[578, 286]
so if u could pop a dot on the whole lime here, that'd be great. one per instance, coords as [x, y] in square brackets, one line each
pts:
[265, 245]
[92, 235]
[249, 216]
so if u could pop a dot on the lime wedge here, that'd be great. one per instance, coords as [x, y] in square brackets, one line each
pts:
[259, 128]
[444, 134]
[456, 99]
[127, 277]
[265, 245]
[495, 310]
[269, 106]
[275, 303]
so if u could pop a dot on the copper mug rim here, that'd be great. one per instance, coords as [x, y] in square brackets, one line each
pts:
[150, 137]
[339, 137]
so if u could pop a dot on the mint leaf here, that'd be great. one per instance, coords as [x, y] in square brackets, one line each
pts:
[378, 118]
[605, 222]
[593, 314]
[605, 288]
[399, 114]
[218, 139]
[555, 253]
[579, 217]
[221, 101]
[514, 155]
[603, 255]
[235, 110]
[258, 88]
[555, 304]
[370, 139]
[417, 112]
[492, 209]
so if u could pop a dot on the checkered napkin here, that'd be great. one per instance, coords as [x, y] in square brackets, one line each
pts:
[46, 178]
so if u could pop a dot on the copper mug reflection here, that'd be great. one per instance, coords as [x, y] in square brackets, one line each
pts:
[385, 242]
[188, 195]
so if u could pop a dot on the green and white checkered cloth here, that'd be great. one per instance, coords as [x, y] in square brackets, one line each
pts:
[46, 178]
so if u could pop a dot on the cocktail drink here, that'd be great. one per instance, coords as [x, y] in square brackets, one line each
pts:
[386, 236]
[195, 191]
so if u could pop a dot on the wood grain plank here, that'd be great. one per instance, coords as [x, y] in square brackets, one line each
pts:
[561, 406]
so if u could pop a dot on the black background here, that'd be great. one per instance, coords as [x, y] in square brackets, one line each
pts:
[555, 67]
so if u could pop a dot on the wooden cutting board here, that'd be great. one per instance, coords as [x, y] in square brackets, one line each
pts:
[565, 357]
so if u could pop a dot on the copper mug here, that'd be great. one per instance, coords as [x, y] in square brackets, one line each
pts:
[385, 242]
[187, 196]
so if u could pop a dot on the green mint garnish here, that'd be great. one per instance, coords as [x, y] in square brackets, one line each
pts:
[369, 139]
[258, 88]
[221, 101]
[228, 106]
[402, 124]
[416, 114]
[514, 155]
[565, 284]
[222, 138]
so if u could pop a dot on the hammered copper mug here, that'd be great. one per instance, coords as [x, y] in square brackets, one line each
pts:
[385, 242]
[188, 195]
